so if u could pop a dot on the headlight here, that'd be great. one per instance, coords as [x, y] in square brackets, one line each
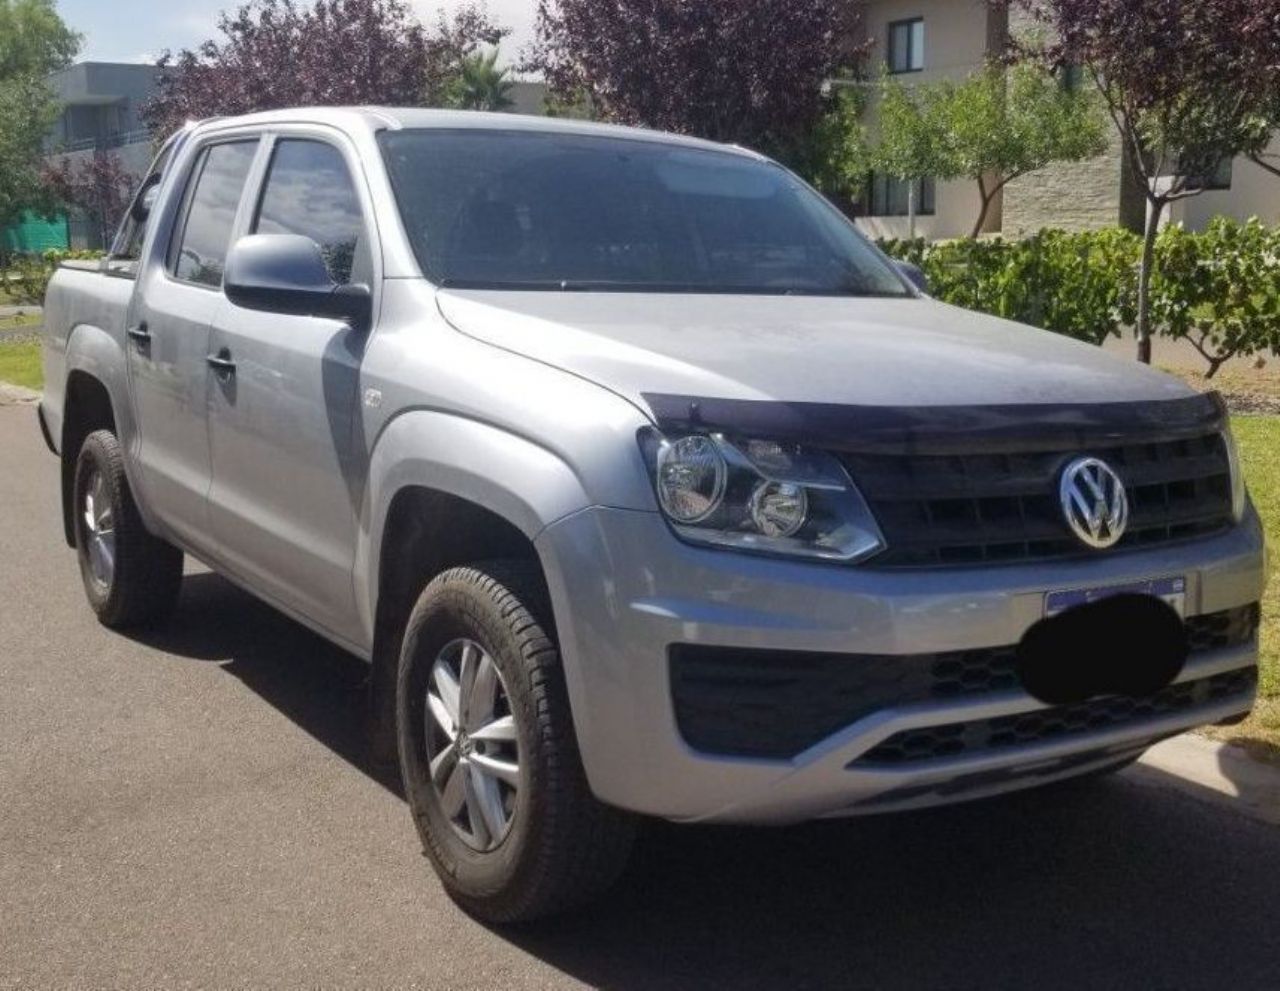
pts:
[691, 476]
[1238, 491]
[758, 495]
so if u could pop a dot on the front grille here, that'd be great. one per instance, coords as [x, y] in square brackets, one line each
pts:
[959, 509]
[1054, 723]
[774, 704]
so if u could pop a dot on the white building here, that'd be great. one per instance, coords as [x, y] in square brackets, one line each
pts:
[928, 40]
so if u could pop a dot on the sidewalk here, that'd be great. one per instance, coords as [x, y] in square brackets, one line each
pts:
[16, 395]
[1215, 772]
[9, 310]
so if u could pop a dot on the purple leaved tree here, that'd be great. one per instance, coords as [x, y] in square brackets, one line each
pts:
[279, 53]
[746, 71]
[99, 187]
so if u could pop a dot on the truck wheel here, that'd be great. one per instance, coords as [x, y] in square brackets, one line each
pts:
[132, 579]
[488, 755]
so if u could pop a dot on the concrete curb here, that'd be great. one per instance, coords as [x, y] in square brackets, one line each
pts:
[1214, 772]
[16, 395]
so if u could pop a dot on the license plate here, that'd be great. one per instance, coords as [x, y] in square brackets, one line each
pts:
[1171, 590]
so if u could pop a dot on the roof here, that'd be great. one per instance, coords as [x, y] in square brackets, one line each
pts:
[409, 118]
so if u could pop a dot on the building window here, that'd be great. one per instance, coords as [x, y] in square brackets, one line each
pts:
[906, 45]
[890, 197]
[1219, 178]
[1071, 78]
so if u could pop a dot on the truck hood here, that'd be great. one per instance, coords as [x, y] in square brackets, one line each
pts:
[866, 352]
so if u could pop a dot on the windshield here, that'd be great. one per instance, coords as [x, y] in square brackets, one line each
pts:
[537, 210]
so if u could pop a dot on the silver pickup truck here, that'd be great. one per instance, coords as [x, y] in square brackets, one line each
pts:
[643, 482]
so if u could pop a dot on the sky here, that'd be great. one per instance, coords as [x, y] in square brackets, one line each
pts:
[139, 30]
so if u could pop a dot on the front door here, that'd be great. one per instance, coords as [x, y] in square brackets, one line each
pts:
[169, 341]
[289, 463]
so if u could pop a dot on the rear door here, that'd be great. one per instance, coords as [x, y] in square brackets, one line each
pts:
[289, 463]
[169, 339]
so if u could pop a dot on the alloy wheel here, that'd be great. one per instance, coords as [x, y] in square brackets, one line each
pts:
[99, 530]
[473, 749]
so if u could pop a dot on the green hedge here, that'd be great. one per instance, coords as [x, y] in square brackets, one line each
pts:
[1219, 289]
[28, 277]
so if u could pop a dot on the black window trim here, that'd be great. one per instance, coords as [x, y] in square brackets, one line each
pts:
[201, 158]
[906, 22]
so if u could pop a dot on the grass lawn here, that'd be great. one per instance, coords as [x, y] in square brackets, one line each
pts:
[20, 364]
[18, 320]
[1259, 439]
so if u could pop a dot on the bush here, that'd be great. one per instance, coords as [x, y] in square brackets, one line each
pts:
[1219, 289]
[29, 276]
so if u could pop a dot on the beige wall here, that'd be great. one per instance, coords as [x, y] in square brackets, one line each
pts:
[1254, 192]
[955, 43]
[955, 34]
[1075, 196]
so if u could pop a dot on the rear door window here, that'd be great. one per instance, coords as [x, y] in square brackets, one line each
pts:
[201, 251]
[309, 191]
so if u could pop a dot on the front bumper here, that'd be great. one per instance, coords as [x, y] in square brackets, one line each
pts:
[624, 590]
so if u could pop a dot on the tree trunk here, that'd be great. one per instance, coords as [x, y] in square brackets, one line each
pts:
[985, 208]
[1260, 163]
[1155, 209]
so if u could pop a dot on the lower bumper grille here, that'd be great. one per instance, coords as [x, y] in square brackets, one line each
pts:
[980, 735]
[775, 704]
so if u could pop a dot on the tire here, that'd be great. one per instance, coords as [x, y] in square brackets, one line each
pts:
[546, 845]
[140, 584]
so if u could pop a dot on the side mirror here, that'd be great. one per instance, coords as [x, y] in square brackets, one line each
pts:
[145, 199]
[914, 274]
[286, 273]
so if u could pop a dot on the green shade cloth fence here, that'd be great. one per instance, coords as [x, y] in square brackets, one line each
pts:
[34, 234]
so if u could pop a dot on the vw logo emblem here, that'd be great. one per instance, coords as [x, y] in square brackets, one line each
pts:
[1094, 502]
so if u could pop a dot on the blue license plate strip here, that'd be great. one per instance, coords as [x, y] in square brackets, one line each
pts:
[1171, 590]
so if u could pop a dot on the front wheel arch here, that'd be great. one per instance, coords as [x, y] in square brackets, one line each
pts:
[427, 532]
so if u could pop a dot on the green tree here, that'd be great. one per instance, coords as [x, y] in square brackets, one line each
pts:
[836, 155]
[911, 145]
[33, 43]
[994, 126]
[480, 84]
[1001, 124]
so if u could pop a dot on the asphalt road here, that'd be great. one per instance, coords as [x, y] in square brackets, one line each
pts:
[192, 809]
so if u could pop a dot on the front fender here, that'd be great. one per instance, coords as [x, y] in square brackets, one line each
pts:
[511, 476]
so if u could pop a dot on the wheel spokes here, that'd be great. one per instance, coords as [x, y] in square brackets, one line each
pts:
[501, 769]
[502, 730]
[484, 807]
[440, 713]
[473, 749]
[443, 762]
[448, 712]
[453, 794]
[483, 693]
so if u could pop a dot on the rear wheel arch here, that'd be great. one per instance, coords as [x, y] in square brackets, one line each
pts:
[87, 407]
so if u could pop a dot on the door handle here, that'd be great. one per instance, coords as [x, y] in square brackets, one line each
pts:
[222, 364]
[140, 335]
